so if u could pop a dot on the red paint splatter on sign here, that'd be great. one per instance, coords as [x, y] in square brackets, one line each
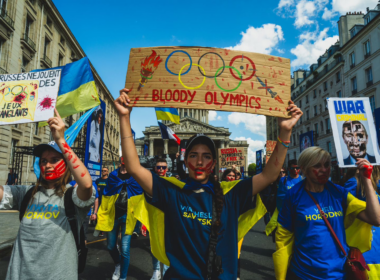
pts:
[19, 98]
[46, 103]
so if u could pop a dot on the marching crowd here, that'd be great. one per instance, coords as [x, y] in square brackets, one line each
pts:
[195, 223]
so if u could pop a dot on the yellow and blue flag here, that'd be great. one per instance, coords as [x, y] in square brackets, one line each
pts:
[77, 91]
[167, 114]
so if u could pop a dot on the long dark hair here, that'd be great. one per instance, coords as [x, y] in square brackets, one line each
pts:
[219, 196]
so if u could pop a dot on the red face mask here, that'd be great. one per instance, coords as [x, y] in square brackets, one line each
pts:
[57, 171]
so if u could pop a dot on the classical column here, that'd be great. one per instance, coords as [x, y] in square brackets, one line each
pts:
[166, 146]
[227, 143]
[206, 116]
[151, 147]
[222, 144]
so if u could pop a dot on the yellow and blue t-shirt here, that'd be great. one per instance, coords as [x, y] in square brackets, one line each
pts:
[188, 219]
[315, 252]
[372, 257]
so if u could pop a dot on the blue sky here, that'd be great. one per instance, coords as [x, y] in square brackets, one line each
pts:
[297, 29]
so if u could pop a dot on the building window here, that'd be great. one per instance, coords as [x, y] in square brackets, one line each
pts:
[49, 22]
[294, 139]
[13, 148]
[372, 102]
[352, 59]
[307, 99]
[338, 77]
[301, 103]
[28, 27]
[325, 86]
[24, 64]
[62, 41]
[60, 60]
[46, 47]
[367, 49]
[327, 125]
[368, 76]
[307, 115]
[316, 128]
[315, 110]
[321, 126]
[315, 93]
[307, 129]
[354, 85]
[36, 128]
[325, 104]
[339, 93]
[3, 6]
[329, 147]
[368, 19]
[320, 108]
[294, 155]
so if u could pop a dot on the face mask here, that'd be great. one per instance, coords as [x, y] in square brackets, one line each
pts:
[57, 171]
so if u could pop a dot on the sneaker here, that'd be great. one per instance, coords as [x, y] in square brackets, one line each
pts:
[135, 234]
[156, 275]
[116, 274]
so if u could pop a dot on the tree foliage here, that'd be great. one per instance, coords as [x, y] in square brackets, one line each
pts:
[252, 169]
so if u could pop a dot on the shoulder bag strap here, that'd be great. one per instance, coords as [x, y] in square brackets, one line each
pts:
[212, 243]
[323, 215]
[70, 213]
[25, 202]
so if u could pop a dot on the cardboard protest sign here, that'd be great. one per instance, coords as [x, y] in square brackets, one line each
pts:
[28, 97]
[231, 156]
[354, 130]
[209, 78]
[270, 148]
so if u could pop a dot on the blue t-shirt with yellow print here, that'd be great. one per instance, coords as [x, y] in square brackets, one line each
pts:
[188, 218]
[372, 256]
[316, 253]
[285, 184]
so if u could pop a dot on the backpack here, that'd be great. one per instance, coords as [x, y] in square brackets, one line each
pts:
[70, 214]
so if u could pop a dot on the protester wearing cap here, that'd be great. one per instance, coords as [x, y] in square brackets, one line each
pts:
[186, 208]
[112, 217]
[45, 247]
[306, 247]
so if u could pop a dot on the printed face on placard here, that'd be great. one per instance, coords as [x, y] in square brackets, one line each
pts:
[355, 137]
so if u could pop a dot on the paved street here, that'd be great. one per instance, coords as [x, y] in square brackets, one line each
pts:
[256, 258]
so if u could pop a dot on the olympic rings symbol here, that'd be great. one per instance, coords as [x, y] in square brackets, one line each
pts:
[228, 90]
[219, 57]
[242, 57]
[204, 76]
[167, 59]
[21, 91]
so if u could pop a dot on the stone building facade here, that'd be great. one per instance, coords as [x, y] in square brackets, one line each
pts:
[349, 68]
[33, 35]
[188, 127]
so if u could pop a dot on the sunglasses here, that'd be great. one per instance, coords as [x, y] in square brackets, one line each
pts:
[292, 168]
[161, 167]
[282, 171]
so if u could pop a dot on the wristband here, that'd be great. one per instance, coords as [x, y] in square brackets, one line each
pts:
[283, 142]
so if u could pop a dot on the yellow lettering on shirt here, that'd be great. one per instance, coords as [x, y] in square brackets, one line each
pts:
[314, 217]
[46, 215]
[308, 217]
[40, 216]
[55, 214]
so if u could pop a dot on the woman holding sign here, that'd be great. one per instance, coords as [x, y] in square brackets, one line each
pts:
[316, 224]
[200, 215]
[45, 246]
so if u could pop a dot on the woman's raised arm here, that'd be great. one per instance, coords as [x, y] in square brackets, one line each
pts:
[128, 148]
[77, 168]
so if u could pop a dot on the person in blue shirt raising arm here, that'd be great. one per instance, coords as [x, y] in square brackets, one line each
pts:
[302, 232]
[199, 209]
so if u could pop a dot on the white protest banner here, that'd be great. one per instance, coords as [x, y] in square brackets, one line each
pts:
[354, 130]
[28, 97]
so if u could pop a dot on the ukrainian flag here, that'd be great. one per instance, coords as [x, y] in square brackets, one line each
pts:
[77, 91]
[167, 114]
